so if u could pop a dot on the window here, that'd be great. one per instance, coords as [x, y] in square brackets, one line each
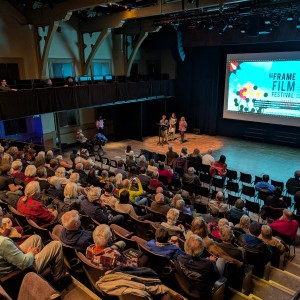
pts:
[101, 68]
[60, 68]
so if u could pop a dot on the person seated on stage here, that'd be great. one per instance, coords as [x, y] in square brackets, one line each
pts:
[104, 254]
[195, 157]
[170, 225]
[162, 171]
[218, 202]
[151, 167]
[219, 167]
[293, 184]
[172, 127]
[264, 185]
[102, 139]
[135, 189]
[124, 205]
[163, 130]
[30, 206]
[201, 273]
[161, 245]
[208, 159]
[5, 88]
[285, 225]
[275, 200]
[159, 205]
[171, 156]
[82, 139]
[237, 211]
[72, 234]
[70, 82]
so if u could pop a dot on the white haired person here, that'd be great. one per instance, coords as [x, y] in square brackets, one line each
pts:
[30, 173]
[104, 254]
[170, 225]
[71, 194]
[30, 206]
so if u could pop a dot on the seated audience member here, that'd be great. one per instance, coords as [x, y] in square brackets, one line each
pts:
[195, 157]
[53, 165]
[252, 242]
[87, 163]
[264, 185]
[108, 198]
[200, 228]
[60, 173]
[6, 88]
[31, 253]
[70, 82]
[30, 206]
[41, 174]
[218, 202]
[66, 161]
[30, 173]
[72, 234]
[170, 225]
[285, 225]
[219, 167]
[266, 236]
[92, 178]
[104, 178]
[227, 237]
[162, 171]
[103, 254]
[171, 157]
[183, 216]
[162, 246]
[118, 183]
[120, 169]
[201, 273]
[16, 170]
[159, 204]
[212, 215]
[143, 177]
[238, 211]
[55, 190]
[276, 200]
[124, 205]
[135, 189]
[71, 194]
[154, 183]
[243, 225]
[190, 177]
[40, 159]
[80, 170]
[207, 159]
[151, 167]
[297, 202]
[13, 232]
[184, 152]
[215, 230]
[130, 161]
[293, 184]
[142, 163]
[95, 208]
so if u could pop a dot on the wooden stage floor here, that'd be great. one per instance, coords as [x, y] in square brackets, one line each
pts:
[256, 158]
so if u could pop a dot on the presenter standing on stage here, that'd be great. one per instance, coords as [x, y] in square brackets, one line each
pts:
[182, 128]
[164, 129]
[172, 127]
[100, 125]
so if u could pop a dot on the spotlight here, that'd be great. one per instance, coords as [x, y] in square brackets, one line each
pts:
[298, 24]
[290, 17]
[243, 30]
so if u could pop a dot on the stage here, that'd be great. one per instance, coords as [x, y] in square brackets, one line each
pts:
[256, 158]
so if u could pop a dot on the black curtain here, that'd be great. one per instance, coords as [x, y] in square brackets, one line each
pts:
[197, 89]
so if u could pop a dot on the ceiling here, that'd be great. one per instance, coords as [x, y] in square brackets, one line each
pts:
[188, 14]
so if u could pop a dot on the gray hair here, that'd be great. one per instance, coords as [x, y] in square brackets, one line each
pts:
[102, 235]
[16, 165]
[30, 171]
[94, 194]
[70, 190]
[226, 233]
[266, 232]
[172, 215]
[193, 245]
[60, 172]
[180, 204]
[69, 219]
[159, 197]
[74, 177]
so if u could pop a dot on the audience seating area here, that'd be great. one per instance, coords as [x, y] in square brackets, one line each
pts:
[254, 278]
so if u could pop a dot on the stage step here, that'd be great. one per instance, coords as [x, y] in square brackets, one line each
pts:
[285, 278]
[292, 267]
[269, 291]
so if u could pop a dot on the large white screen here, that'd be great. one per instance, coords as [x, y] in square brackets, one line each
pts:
[263, 87]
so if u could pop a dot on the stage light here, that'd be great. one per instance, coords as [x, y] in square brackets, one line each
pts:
[243, 30]
[298, 24]
[290, 17]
